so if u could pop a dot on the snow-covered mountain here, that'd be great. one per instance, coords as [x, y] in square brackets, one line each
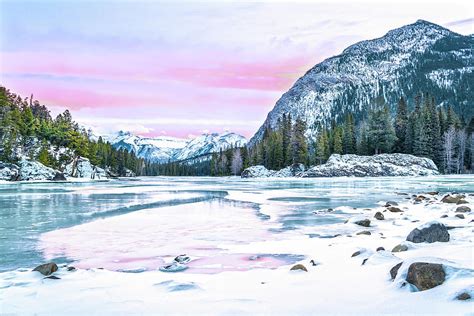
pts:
[420, 57]
[164, 148]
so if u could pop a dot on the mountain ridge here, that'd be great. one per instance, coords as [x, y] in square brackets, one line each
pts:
[417, 57]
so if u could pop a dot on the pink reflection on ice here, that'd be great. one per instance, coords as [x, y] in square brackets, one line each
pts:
[148, 239]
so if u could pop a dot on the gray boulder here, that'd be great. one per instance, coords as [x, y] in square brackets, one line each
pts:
[425, 275]
[47, 268]
[379, 216]
[34, 170]
[463, 209]
[429, 232]
[394, 270]
[9, 171]
[257, 172]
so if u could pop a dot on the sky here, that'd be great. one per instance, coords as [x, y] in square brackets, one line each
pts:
[183, 68]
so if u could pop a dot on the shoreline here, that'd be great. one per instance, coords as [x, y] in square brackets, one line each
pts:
[338, 283]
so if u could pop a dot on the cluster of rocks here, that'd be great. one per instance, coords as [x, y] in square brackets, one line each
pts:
[353, 166]
[29, 170]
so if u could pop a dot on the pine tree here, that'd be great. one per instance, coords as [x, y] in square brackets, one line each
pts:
[337, 141]
[299, 146]
[401, 126]
[349, 140]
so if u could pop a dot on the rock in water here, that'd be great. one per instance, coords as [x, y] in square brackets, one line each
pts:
[463, 296]
[363, 222]
[425, 276]
[373, 166]
[394, 270]
[379, 216]
[297, 267]
[174, 267]
[429, 232]
[47, 268]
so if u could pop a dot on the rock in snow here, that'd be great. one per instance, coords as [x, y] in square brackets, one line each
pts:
[262, 172]
[429, 232]
[425, 276]
[9, 171]
[47, 268]
[373, 166]
[34, 170]
[82, 168]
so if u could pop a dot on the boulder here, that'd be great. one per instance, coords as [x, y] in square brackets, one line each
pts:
[379, 216]
[425, 276]
[257, 172]
[462, 201]
[81, 167]
[59, 176]
[452, 199]
[47, 268]
[373, 166]
[34, 170]
[355, 254]
[380, 249]
[298, 267]
[429, 232]
[363, 222]
[463, 209]
[461, 216]
[400, 248]
[394, 209]
[364, 232]
[9, 171]
[391, 203]
[394, 270]
[463, 296]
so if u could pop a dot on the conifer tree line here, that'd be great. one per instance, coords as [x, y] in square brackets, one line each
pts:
[27, 128]
[427, 130]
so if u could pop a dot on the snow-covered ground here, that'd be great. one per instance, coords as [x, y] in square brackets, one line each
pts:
[242, 254]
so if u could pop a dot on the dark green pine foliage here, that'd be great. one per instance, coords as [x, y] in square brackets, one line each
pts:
[381, 134]
[401, 126]
[299, 146]
[349, 138]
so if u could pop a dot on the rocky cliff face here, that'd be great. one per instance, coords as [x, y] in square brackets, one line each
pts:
[373, 166]
[418, 57]
[383, 165]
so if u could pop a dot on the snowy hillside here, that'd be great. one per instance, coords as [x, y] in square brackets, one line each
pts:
[164, 148]
[418, 57]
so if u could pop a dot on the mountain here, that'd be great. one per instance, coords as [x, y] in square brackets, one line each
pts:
[163, 148]
[420, 57]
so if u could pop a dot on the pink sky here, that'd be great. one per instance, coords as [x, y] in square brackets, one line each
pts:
[159, 68]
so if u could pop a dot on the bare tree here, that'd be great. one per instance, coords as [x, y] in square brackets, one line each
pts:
[461, 140]
[449, 138]
[236, 166]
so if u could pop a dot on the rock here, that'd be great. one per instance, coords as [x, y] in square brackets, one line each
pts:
[258, 171]
[391, 203]
[429, 232]
[394, 209]
[313, 263]
[53, 277]
[174, 267]
[298, 266]
[453, 199]
[379, 216]
[182, 259]
[59, 176]
[463, 209]
[400, 248]
[81, 167]
[364, 261]
[290, 171]
[425, 275]
[70, 269]
[363, 222]
[463, 296]
[9, 171]
[373, 166]
[462, 201]
[444, 216]
[355, 254]
[34, 170]
[47, 268]
[394, 270]
[364, 232]
[461, 216]
[432, 193]
[380, 249]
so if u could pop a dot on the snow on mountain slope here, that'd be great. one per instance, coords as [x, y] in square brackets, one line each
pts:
[420, 57]
[164, 148]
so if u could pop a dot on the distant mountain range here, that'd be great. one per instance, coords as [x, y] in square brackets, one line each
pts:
[163, 148]
[420, 57]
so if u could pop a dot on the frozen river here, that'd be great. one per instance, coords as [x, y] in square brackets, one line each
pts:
[136, 224]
